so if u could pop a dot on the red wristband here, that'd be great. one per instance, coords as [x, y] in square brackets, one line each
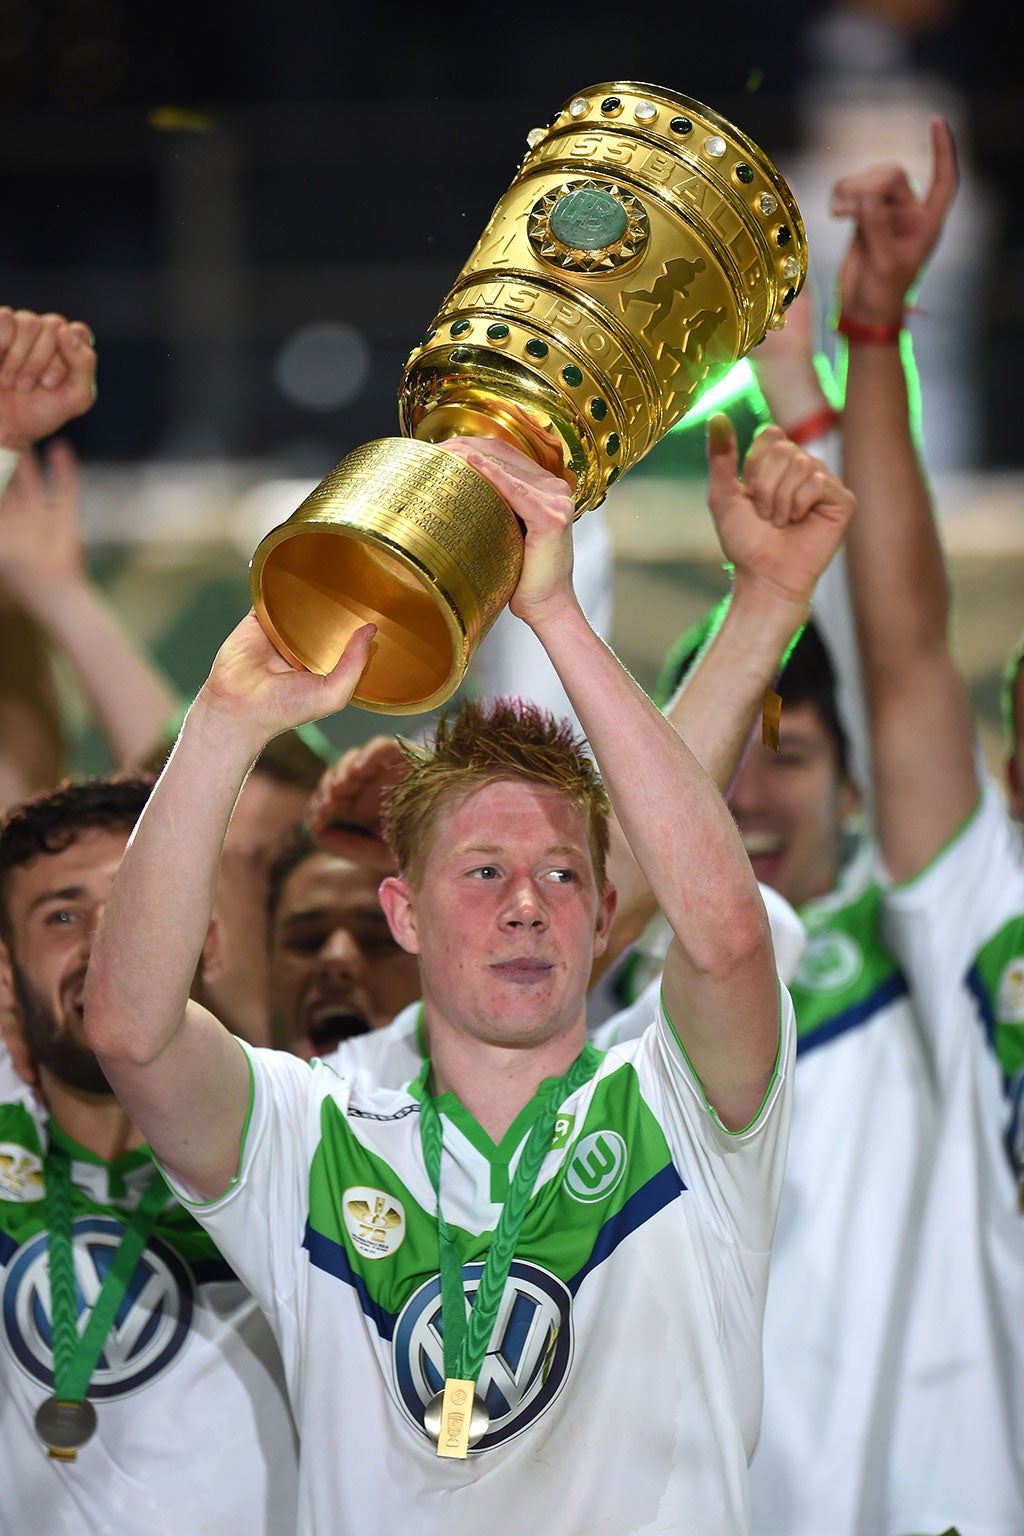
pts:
[868, 335]
[812, 427]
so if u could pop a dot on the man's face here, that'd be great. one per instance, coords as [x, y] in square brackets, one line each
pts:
[790, 807]
[507, 917]
[335, 970]
[55, 904]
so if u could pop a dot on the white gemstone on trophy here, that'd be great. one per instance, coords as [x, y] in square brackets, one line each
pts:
[790, 268]
[715, 146]
[579, 107]
[645, 112]
[768, 203]
[534, 137]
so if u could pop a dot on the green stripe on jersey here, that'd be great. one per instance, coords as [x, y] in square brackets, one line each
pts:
[601, 1169]
[845, 961]
[999, 970]
[23, 1210]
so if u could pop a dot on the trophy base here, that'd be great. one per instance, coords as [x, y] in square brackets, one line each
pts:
[406, 536]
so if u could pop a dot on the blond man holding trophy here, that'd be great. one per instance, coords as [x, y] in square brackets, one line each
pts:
[528, 1287]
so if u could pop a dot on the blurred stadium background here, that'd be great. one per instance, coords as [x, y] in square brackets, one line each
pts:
[258, 208]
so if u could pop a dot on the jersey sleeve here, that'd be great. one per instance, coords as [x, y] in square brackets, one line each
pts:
[259, 1224]
[959, 928]
[735, 1175]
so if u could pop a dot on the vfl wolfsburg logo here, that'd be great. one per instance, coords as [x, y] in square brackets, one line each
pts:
[526, 1365]
[152, 1323]
[831, 960]
[596, 1166]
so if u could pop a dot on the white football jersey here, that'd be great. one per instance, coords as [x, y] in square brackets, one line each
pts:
[194, 1435]
[959, 1424]
[629, 1331]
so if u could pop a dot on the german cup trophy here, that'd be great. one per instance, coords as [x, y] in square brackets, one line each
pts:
[644, 246]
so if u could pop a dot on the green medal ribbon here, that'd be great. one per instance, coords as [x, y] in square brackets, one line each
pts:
[74, 1357]
[466, 1340]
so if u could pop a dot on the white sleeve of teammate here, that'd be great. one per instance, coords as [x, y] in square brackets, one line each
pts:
[832, 611]
[938, 923]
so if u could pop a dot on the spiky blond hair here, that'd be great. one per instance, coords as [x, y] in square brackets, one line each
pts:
[501, 738]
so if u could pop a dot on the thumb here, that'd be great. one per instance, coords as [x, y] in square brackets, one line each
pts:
[351, 664]
[723, 454]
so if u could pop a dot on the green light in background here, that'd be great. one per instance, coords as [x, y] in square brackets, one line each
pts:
[738, 384]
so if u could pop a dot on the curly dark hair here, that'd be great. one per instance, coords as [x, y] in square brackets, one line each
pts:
[501, 738]
[50, 822]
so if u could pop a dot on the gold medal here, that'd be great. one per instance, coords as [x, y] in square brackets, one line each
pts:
[456, 1418]
[64, 1426]
[771, 714]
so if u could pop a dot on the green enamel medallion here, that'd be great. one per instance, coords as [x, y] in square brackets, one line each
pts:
[587, 220]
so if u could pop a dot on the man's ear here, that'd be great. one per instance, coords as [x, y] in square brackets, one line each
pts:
[7, 998]
[605, 913]
[395, 897]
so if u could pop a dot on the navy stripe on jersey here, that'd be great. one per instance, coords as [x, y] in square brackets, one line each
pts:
[976, 987]
[861, 1013]
[658, 1192]
[648, 1200]
[332, 1258]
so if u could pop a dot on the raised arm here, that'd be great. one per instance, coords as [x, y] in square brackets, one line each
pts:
[47, 378]
[182, 1078]
[344, 814]
[42, 566]
[775, 566]
[803, 397]
[720, 985]
[922, 736]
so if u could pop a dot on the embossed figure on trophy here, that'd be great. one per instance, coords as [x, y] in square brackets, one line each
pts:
[692, 358]
[672, 283]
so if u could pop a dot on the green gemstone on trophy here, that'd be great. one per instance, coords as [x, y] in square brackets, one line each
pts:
[459, 328]
[572, 375]
[536, 347]
[498, 331]
[588, 220]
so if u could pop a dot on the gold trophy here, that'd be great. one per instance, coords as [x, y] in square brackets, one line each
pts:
[644, 246]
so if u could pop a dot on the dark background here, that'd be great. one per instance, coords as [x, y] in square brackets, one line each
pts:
[322, 162]
[202, 181]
